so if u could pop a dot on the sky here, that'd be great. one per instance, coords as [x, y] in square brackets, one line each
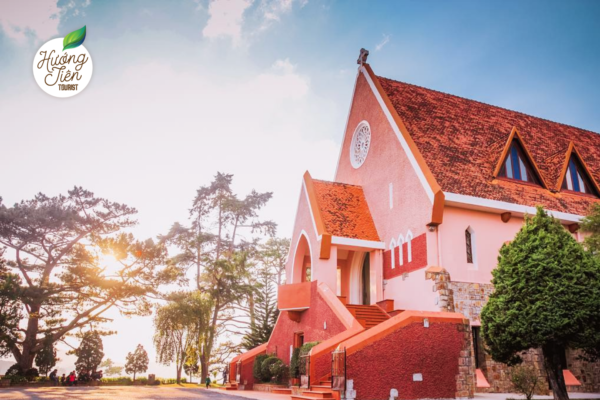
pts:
[259, 89]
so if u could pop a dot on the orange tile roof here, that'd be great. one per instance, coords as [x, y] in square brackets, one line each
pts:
[461, 141]
[344, 210]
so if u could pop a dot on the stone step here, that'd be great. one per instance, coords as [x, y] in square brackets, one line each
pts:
[282, 391]
[321, 388]
[318, 394]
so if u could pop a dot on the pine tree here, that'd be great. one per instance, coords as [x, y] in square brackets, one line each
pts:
[90, 352]
[547, 294]
[265, 310]
[137, 361]
[46, 358]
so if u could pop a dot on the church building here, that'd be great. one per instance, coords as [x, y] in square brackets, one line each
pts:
[390, 263]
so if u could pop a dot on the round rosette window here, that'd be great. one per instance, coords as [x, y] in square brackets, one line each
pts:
[361, 141]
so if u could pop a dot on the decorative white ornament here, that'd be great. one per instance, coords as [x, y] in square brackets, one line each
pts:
[361, 141]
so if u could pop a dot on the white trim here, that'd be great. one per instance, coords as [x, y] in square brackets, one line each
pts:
[392, 245]
[409, 238]
[310, 209]
[400, 249]
[478, 203]
[407, 150]
[302, 233]
[368, 244]
[337, 166]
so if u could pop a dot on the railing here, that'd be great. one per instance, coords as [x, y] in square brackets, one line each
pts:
[305, 378]
[338, 371]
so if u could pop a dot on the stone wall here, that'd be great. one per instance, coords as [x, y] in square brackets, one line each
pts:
[468, 299]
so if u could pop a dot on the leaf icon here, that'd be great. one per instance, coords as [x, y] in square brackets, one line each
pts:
[74, 39]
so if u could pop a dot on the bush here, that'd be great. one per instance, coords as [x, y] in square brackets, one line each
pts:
[279, 371]
[295, 363]
[120, 381]
[171, 381]
[14, 370]
[31, 374]
[15, 374]
[304, 350]
[526, 380]
[257, 366]
[265, 369]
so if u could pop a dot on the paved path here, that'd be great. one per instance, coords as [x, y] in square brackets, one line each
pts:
[184, 393]
[119, 393]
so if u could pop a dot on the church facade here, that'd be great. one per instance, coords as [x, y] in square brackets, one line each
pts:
[390, 263]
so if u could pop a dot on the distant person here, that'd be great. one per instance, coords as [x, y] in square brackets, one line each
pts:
[72, 379]
[207, 381]
[225, 373]
[63, 380]
[54, 377]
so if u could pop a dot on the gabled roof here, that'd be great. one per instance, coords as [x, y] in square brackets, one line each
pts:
[462, 142]
[340, 209]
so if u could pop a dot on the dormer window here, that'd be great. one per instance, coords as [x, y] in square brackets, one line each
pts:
[517, 166]
[576, 179]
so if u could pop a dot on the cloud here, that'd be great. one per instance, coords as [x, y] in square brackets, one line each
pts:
[225, 19]
[20, 21]
[384, 41]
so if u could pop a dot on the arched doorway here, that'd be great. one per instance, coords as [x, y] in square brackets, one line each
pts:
[365, 280]
[301, 269]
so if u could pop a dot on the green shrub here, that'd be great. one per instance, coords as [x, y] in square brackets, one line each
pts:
[265, 369]
[257, 366]
[295, 363]
[171, 381]
[14, 370]
[120, 381]
[279, 371]
[31, 374]
[526, 380]
[304, 350]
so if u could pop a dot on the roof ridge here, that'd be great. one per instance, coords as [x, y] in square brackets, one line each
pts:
[489, 105]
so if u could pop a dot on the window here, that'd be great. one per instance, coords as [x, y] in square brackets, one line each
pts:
[469, 243]
[476, 347]
[392, 251]
[517, 166]
[576, 179]
[409, 237]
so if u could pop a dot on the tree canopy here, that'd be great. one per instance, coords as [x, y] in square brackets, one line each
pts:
[179, 326]
[57, 247]
[547, 294]
[137, 361]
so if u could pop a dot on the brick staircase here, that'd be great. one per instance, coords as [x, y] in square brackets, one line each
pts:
[321, 391]
[368, 316]
[230, 386]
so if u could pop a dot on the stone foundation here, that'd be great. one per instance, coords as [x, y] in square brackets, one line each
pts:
[468, 299]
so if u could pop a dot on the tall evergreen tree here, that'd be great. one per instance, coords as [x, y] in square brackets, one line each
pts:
[265, 310]
[547, 295]
[90, 352]
[211, 245]
[46, 358]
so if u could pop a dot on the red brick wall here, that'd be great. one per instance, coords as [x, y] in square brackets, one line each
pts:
[391, 362]
[311, 323]
[419, 258]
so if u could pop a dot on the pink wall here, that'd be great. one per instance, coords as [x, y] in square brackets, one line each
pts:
[489, 234]
[388, 163]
